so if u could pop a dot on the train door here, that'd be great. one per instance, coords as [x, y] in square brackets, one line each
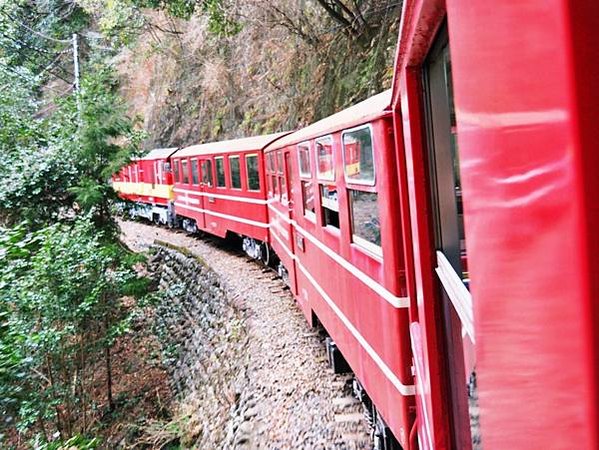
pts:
[289, 193]
[451, 271]
[197, 171]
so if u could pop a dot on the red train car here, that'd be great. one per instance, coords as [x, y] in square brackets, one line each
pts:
[333, 224]
[148, 182]
[496, 147]
[220, 188]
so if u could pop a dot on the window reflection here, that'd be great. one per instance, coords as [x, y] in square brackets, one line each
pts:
[366, 225]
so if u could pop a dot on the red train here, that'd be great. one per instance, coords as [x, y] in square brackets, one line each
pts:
[442, 232]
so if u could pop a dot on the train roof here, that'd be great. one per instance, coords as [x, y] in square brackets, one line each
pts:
[233, 145]
[357, 114]
[159, 153]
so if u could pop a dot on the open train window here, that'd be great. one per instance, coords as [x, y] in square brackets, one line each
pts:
[325, 166]
[358, 155]
[308, 199]
[220, 171]
[185, 171]
[253, 175]
[235, 172]
[195, 172]
[365, 220]
[330, 205]
[305, 163]
[207, 172]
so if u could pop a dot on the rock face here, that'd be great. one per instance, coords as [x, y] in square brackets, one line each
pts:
[203, 335]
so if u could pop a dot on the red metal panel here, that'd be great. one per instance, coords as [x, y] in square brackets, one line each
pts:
[528, 142]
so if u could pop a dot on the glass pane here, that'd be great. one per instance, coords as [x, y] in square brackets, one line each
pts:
[185, 171]
[251, 162]
[330, 205]
[365, 217]
[283, 189]
[220, 171]
[270, 161]
[195, 175]
[207, 172]
[303, 151]
[235, 172]
[175, 166]
[279, 162]
[324, 154]
[275, 183]
[308, 197]
[359, 156]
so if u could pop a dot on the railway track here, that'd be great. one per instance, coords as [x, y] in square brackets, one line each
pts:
[291, 398]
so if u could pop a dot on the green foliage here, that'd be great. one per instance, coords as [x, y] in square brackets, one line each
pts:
[219, 21]
[34, 33]
[60, 310]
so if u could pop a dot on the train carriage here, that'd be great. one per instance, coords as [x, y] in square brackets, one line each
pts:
[334, 225]
[220, 188]
[497, 147]
[148, 182]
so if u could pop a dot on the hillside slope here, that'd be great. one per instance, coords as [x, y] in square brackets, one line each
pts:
[288, 65]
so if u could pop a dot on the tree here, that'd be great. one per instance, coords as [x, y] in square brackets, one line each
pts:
[60, 316]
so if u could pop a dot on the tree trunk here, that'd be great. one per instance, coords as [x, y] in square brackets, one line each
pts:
[109, 379]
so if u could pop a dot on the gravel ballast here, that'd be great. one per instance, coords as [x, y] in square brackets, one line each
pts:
[286, 395]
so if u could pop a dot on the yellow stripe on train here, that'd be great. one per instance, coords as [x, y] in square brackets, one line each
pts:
[147, 189]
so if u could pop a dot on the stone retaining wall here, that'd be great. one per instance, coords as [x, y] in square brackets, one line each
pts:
[204, 335]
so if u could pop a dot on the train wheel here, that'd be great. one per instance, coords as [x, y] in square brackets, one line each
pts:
[265, 253]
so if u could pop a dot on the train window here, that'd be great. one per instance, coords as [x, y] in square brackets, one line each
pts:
[358, 155]
[324, 155]
[253, 175]
[365, 221]
[184, 171]
[270, 162]
[235, 172]
[283, 182]
[308, 199]
[207, 172]
[195, 173]
[330, 205]
[279, 162]
[220, 171]
[303, 153]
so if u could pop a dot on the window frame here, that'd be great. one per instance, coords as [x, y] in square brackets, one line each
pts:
[184, 165]
[299, 159]
[222, 159]
[207, 162]
[309, 215]
[358, 241]
[351, 130]
[318, 174]
[198, 174]
[247, 171]
[229, 158]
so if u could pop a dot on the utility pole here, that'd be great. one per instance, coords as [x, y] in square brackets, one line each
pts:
[76, 60]
[76, 70]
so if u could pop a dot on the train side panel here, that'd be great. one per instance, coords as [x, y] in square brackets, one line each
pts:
[342, 239]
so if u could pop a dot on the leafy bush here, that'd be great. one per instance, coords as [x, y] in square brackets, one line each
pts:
[60, 314]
